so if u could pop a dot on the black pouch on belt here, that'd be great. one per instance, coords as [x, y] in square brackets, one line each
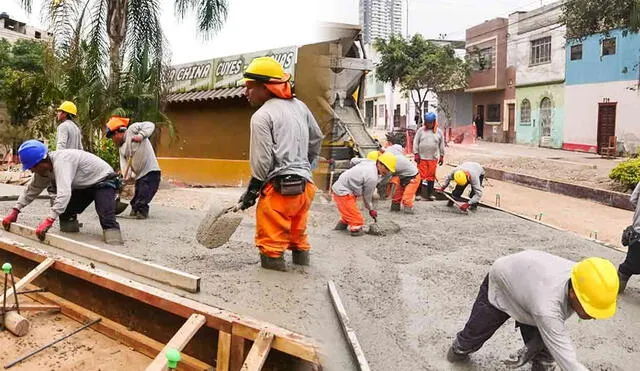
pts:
[629, 236]
[406, 180]
[290, 185]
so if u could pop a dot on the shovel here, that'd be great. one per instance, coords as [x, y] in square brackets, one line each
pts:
[374, 229]
[122, 206]
[218, 225]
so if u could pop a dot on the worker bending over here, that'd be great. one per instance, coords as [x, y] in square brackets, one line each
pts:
[540, 292]
[360, 180]
[81, 178]
[137, 160]
[465, 174]
[631, 238]
[406, 179]
[285, 140]
[428, 149]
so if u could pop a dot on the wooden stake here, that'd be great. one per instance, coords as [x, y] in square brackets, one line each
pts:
[18, 325]
[178, 341]
[29, 278]
[34, 308]
[349, 333]
[259, 351]
[224, 350]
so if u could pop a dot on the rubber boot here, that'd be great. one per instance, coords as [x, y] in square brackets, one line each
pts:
[112, 237]
[539, 365]
[340, 226]
[455, 356]
[133, 213]
[430, 186]
[624, 279]
[300, 257]
[409, 210]
[70, 226]
[141, 215]
[357, 232]
[395, 207]
[276, 264]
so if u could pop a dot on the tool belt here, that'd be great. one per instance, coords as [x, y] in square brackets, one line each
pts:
[289, 185]
[111, 181]
[629, 236]
[404, 181]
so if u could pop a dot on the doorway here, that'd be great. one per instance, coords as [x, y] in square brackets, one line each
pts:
[479, 121]
[545, 123]
[606, 123]
[512, 123]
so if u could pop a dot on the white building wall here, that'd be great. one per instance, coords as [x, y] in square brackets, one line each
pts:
[581, 118]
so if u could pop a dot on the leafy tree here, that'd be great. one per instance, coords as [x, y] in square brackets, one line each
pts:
[586, 17]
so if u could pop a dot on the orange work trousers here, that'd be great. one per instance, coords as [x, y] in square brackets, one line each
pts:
[281, 221]
[349, 211]
[427, 169]
[406, 194]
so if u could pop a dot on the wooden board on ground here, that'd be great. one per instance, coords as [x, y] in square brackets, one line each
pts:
[259, 351]
[172, 277]
[218, 226]
[33, 308]
[349, 332]
[178, 341]
[28, 278]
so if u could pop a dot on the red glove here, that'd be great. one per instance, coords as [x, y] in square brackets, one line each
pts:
[465, 206]
[137, 138]
[12, 217]
[441, 161]
[416, 157]
[441, 189]
[43, 228]
[373, 214]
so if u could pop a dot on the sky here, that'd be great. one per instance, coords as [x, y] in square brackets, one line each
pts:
[254, 25]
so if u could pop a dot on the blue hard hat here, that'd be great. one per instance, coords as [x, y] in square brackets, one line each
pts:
[429, 117]
[31, 153]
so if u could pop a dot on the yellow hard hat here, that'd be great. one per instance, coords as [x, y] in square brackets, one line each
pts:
[389, 160]
[595, 282]
[373, 155]
[266, 69]
[68, 107]
[460, 177]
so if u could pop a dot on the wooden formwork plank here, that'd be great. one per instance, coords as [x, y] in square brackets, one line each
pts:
[178, 341]
[29, 278]
[152, 271]
[259, 351]
[236, 355]
[224, 351]
[34, 307]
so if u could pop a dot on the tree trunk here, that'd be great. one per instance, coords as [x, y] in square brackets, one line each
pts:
[116, 29]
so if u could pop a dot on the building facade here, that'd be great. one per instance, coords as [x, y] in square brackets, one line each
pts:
[13, 30]
[380, 19]
[602, 99]
[536, 50]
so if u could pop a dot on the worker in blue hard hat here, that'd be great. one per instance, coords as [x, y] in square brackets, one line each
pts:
[81, 178]
[428, 149]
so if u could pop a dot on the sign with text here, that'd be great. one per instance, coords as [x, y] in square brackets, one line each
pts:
[224, 72]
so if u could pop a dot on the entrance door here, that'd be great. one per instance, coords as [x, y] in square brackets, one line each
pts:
[606, 123]
[545, 123]
[368, 113]
[512, 123]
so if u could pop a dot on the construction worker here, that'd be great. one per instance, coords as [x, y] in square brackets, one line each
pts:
[406, 179]
[428, 149]
[69, 135]
[540, 292]
[285, 140]
[81, 178]
[137, 160]
[467, 173]
[360, 180]
[631, 239]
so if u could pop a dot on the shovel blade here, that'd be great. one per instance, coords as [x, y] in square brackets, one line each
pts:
[120, 207]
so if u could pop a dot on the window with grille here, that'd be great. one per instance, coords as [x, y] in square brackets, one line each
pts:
[381, 110]
[493, 113]
[609, 46]
[576, 52]
[481, 59]
[525, 111]
[541, 51]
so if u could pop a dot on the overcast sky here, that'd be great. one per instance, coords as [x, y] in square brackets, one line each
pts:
[254, 25]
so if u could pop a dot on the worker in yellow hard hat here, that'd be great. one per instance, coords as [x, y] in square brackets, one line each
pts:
[285, 141]
[360, 181]
[463, 175]
[69, 135]
[540, 292]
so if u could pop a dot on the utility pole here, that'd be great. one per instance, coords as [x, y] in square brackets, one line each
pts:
[407, 19]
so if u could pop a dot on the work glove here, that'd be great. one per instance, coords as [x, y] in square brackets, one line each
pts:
[373, 214]
[43, 228]
[440, 189]
[137, 138]
[416, 157]
[465, 206]
[12, 217]
[250, 196]
[525, 354]
[441, 161]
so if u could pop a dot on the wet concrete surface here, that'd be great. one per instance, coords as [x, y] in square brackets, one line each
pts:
[407, 294]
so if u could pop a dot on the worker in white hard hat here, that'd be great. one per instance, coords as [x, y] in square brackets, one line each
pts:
[463, 175]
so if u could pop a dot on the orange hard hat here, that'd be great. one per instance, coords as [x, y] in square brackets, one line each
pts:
[116, 123]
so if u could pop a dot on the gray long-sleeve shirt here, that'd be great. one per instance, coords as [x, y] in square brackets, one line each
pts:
[634, 201]
[532, 288]
[428, 144]
[72, 169]
[360, 180]
[405, 168]
[475, 170]
[68, 136]
[285, 139]
[143, 159]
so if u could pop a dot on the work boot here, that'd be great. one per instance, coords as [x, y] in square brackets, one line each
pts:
[409, 210]
[70, 226]
[340, 226]
[624, 279]
[430, 196]
[276, 264]
[539, 365]
[357, 232]
[300, 257]
[112, 237]
[454, 355]
[395, 207]
[141, 215]
[450, 203]
[133, 213]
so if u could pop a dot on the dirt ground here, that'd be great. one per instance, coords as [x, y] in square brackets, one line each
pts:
[407, 294]
[87, 350]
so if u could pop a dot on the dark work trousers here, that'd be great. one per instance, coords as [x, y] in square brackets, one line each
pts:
[459, 190]
[104, 198]
[146, 188]
[631, 264]
[485, 320]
